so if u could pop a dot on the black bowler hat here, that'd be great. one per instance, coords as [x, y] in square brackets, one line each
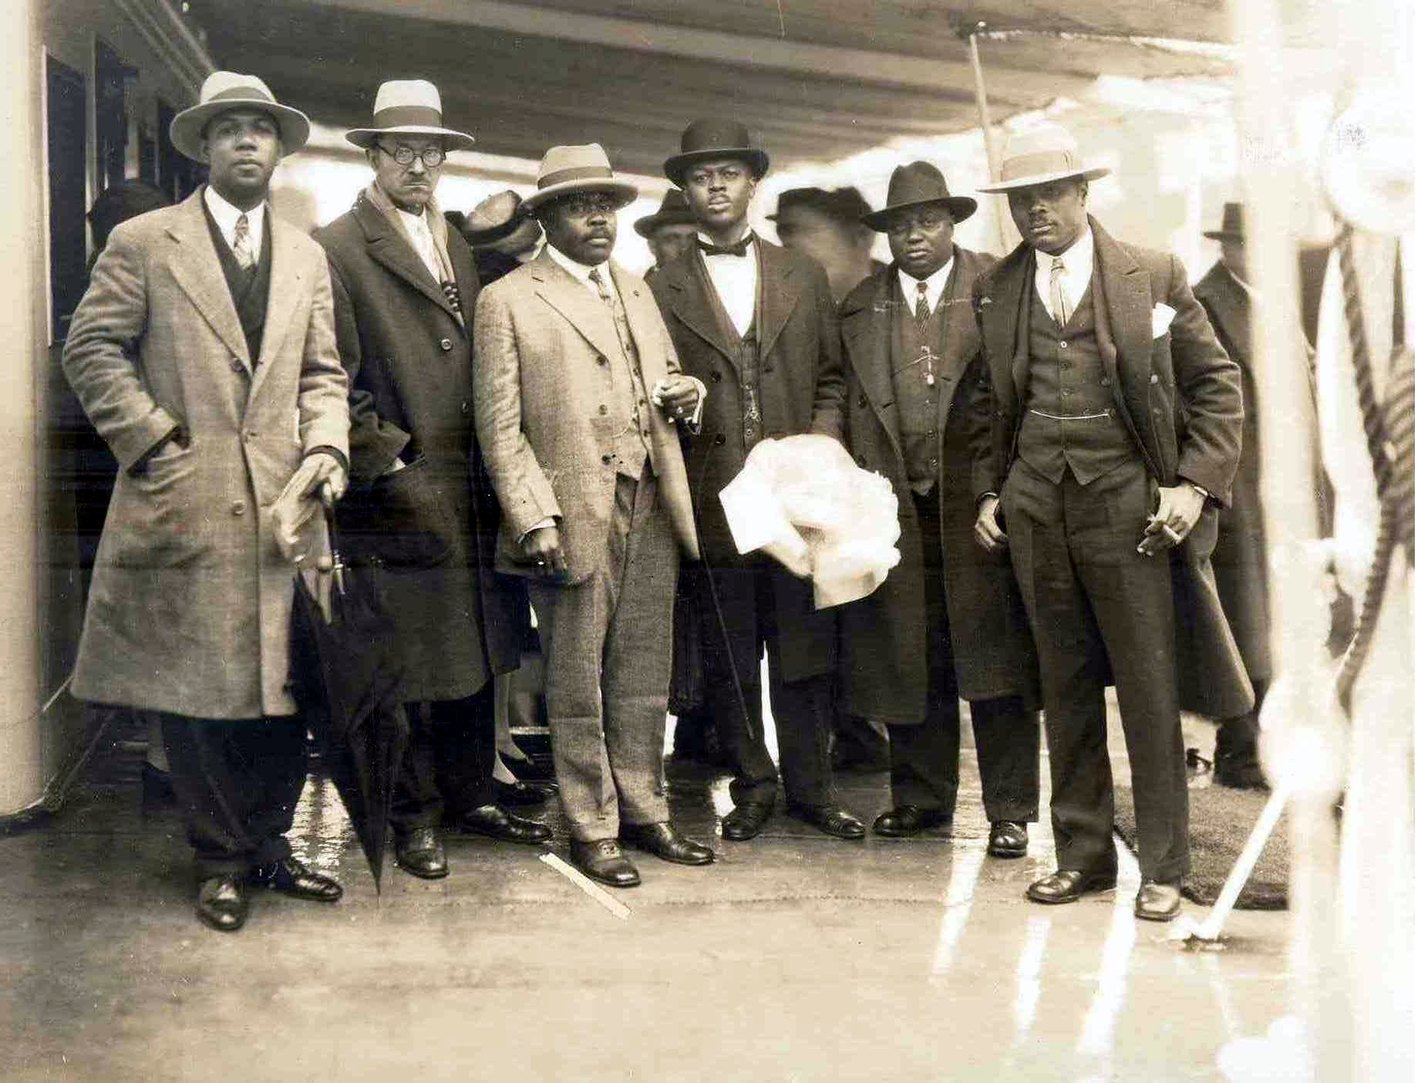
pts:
[712, 138]
[1232, 228]
[673, 211]
[915, 185]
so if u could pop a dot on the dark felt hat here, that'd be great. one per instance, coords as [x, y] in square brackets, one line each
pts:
[673, 211]
[713, 138]
[915, 185]
[1232, 228]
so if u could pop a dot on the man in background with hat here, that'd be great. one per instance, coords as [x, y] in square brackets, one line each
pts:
[1092, 345]
[757, 324]
[204, 354]
[420, 502]
[669, 230]
[829, 227]
[502, 235]
[578, 395]
[948, 620]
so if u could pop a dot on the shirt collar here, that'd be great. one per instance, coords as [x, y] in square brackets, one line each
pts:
[580, 271]
[226, 214]
[933, 285]
[1078, 260]
[746, 231]
[413, 219]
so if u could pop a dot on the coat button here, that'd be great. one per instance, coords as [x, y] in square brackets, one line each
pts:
[719, 439]
[606, 459]
[717, 377]
[861, 402]
[601, 360]
[446, 344]
[1105, 381]
[1154, 378]
[238, 507]
[236, 365]
[466, 407]
[603, 409]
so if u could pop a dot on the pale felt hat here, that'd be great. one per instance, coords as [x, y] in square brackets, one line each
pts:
[582, 168]
[1039, 156]
[408, 107]
[224, 91]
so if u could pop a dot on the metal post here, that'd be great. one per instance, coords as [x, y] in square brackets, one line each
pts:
[980, 91]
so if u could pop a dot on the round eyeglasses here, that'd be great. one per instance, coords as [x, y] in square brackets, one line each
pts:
[431, 157]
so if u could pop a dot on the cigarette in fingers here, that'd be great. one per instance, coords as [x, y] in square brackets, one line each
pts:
[1171, 534]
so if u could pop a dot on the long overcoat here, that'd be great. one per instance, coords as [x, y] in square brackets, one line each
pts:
[189, 611]
[410, 362]
[802, 390]
[1180, 398]
[883, 658]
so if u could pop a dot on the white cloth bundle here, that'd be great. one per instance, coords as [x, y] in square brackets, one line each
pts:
[803, 500]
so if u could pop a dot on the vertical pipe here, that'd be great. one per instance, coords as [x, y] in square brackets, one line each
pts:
[980, 91]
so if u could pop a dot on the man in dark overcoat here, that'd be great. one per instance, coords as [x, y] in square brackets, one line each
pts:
[948, 619]
[405, 286]
[756, 324]
[1092, 345]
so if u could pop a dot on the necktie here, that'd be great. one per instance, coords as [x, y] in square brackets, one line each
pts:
[921, 306]
[738, 249]
[241, 244]
[621, 322]
[921, 321]
[1059, 309]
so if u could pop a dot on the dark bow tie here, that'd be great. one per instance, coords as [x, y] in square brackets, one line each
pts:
[738, 249]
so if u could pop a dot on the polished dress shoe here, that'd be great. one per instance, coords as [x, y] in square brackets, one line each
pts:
[662, 840]
[523, 794]
[746, 821]
[1068, 885]
[831, 819]
[290, 877]
[602, 860]
[1156, 901]
[420, 852]
[495, 822]
[1007, 838]
[222, 903]
[908, 820]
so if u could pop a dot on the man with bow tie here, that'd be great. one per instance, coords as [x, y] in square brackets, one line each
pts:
[1092, 478]
[757, 325]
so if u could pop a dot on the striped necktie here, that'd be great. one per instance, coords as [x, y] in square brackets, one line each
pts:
[241, 244]
[1059, 309]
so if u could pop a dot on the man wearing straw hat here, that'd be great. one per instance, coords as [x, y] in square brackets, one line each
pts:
[404, 290]
[917, 402]
[578, 396]
[1092, 346]
[669, 231]
[204, 354]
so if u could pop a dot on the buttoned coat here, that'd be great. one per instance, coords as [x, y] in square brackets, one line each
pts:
[883, 662]
[409, 361]
[190, 607]
[543, 343]
[1180, 398]
[802, 390]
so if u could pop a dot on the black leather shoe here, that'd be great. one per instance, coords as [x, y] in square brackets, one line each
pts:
[420, 852]
[1239, 774]
[908, 820]
[746, 821]
[1007, 838]
[662, 840]
[157, 791]
[1157, 902]
[523, 794]
[222, 903]
[495, 822]
[602, 860]
[290, 877]
[1068, 885]
[831, 819]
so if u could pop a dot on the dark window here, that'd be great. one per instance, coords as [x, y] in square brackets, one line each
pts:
[68, 239]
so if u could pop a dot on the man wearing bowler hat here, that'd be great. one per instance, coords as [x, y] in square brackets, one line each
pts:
[1092, 346]
[669, 231]
[420, 502]
[949, 619]
[578, 399]
[756, 323]
[204, 354]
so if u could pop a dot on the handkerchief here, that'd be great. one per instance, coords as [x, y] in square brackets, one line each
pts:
[1160, 318]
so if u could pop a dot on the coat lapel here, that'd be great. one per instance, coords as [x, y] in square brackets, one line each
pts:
[197, 270]
[386, 246]
[959, 329]
[640, 311]
[691, 304]
[866, 326]
[1002, 316]
[780, 288]
[1123, 314]
[286, 287]
[576, 302]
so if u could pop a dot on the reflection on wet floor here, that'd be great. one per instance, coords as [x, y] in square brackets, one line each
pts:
[794, 957]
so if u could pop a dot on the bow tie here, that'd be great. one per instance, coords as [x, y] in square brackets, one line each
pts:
[738, 249]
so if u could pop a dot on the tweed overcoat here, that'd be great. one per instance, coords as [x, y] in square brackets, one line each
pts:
[883, 664]
[1179, 396]
[542, 342]
[409, 361]
[189, 611]
[802, 390]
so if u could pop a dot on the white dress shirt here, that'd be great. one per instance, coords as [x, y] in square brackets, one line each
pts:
[421, 236]
[933, 286]
[226, 214]
[735, 279]
[581, 271]
[1077, 264]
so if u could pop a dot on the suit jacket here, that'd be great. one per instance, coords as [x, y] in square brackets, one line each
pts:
[190, 605]
[1179, 396]
[883, 667]
[409, 361]
[540, 335]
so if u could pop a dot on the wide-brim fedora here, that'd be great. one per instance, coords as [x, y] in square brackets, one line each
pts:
[673, 211]
[224, 91]
[710, 138]
[1040, 156]
[408, 107]
[1232, 227]
[918, 184]
[579, 168]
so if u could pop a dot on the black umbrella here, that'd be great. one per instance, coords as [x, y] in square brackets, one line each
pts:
[349, 684]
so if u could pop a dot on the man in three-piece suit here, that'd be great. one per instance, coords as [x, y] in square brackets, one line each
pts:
[204, 354]
[404, 290]
[1093, 348]
[578, 396]
[948, 620]
[757, 325]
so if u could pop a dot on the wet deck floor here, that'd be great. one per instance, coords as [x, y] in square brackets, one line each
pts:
[795, 957]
